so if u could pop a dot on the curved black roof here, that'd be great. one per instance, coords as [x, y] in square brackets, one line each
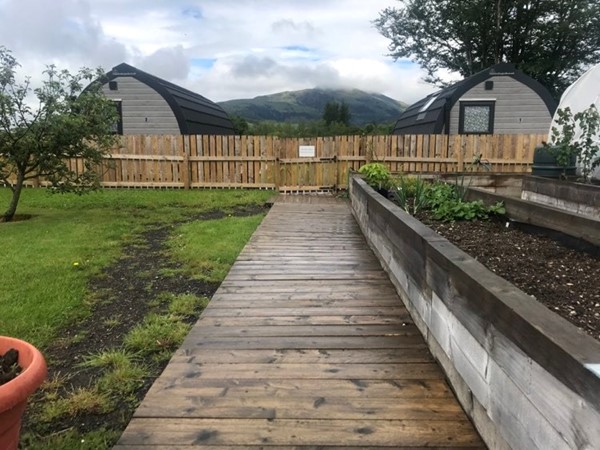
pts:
[430, 114]
[195, 114]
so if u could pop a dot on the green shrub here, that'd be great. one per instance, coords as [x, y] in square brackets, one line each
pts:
[377, 175]
[439, 193]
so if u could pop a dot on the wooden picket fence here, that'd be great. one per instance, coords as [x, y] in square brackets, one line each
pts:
[301, 164]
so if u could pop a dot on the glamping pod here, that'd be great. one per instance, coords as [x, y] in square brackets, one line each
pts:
[498, 100]
[150, 105]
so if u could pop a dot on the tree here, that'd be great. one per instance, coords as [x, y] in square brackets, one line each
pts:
[240, 125]
[331, 112]
[336, 112]
[68, 122]
[344, 114]
[553, 41]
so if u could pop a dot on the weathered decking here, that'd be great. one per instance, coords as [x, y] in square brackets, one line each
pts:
[305, 344]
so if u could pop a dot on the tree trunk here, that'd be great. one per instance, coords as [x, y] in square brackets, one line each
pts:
[498, 44]
[14, 201]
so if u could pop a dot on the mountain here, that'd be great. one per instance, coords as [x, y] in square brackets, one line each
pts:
[308, 105]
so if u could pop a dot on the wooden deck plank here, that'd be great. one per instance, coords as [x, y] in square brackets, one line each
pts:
[305, 330]
[292, 388]
[301, 287]
[235, 275]
[271, 356]
[305, 345]
[260, 301]
[307, 342]
[283, 320]
[248, 294]
[308, 407]
[412, 371]
[364, 286]
[274, 432]
[214, 311]
[302, 264]
[373, 286]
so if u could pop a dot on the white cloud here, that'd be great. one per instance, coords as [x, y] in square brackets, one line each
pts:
[67, 33]
[400, 81]
[292, 27]
[170, 63]
[222, 49]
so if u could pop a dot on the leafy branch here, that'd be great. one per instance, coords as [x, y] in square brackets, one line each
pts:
[577, 137]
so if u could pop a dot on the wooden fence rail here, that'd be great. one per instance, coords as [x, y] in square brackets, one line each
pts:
[277, 163]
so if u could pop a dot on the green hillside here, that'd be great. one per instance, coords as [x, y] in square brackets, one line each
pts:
[308, 104]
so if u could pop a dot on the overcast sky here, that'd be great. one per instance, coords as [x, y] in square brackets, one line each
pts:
[222, 49]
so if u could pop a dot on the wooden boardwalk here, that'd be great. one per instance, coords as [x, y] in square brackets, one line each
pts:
[305, 345]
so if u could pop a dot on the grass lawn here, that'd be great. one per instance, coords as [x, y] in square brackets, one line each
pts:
[206, 255]
[46, 268]
[48, 259]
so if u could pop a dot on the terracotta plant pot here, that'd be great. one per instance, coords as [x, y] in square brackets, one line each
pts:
[14, 394]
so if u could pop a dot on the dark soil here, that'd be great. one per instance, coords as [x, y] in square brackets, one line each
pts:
[562, 274]
[124, 292]
[9, 367]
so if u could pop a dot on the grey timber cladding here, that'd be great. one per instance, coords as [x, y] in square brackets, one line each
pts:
[151, 105]
[519, 109]
[521, 104]
[144, 111]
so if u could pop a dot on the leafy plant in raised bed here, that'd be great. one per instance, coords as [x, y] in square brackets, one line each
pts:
[410, 193]
[413, 194]
[377, 175]
[447, 204]
[457, 210]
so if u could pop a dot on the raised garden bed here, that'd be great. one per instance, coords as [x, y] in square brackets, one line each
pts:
[527, 377]
[550, 253]
[561, 275]
[575, 197]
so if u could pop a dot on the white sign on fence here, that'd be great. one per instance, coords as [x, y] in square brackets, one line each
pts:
[306, 151]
